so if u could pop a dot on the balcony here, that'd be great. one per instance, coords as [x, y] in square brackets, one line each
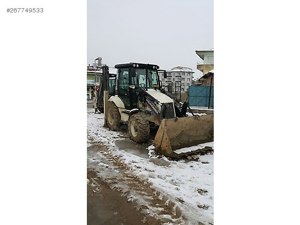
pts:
[205, 68]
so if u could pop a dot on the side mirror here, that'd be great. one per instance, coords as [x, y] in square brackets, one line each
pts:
[165, 74]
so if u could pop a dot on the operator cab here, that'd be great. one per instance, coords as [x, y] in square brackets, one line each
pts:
[135, 76]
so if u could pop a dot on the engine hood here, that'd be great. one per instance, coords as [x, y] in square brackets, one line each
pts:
[162, 98]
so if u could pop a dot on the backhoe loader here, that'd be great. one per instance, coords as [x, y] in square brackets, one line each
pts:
[139, 101]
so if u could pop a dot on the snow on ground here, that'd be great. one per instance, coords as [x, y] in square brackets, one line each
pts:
[188, 183]
[193, 148]
[96, 131]
[200, 108]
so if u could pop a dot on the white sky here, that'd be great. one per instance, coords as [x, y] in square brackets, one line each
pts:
[165, 33]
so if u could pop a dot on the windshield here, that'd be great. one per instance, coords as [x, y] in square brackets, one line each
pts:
[146, 82]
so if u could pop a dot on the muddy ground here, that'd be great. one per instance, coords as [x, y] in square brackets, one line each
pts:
[115, 196]
[107, 204]
[108, 207]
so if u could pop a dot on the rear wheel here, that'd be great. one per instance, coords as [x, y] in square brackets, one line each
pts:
[138, 128]
[113, 116]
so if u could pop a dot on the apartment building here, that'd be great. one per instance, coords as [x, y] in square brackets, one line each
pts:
[178, 79]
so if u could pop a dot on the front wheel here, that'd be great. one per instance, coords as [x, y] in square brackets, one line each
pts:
[138, 128]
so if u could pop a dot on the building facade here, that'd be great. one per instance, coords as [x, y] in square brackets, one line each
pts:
[178, 79]
[208, 61]
[93, 73]
[92, 80]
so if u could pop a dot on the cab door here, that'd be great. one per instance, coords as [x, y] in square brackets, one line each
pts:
[133, 88]
[123, 86]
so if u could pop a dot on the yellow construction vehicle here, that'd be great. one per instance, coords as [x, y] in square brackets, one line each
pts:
[139, 101]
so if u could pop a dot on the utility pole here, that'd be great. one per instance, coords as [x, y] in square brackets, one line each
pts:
[209, 97]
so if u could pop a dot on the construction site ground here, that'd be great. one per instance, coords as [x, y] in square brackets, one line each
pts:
[129, 184]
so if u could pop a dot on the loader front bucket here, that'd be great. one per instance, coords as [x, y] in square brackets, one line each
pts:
[174, 134]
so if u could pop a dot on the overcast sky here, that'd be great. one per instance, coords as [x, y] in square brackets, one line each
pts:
[162, 32]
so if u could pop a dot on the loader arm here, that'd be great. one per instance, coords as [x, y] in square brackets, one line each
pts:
[149, 100]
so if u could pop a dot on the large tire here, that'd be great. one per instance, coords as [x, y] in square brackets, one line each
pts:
[113, 116]
[138, 128]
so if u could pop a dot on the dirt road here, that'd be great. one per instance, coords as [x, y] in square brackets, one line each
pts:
[108, 207]
[115, 196]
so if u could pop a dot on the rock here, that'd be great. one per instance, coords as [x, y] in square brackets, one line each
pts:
[195, 156]
[160, 162]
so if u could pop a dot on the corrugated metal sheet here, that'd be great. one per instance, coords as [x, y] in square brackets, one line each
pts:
[201, 96]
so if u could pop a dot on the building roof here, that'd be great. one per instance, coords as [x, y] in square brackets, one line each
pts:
[181, 69]
[210, 73]
[94, 71]
[203, 52]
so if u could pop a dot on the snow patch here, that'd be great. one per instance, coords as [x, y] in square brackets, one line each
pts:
[194, 148]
